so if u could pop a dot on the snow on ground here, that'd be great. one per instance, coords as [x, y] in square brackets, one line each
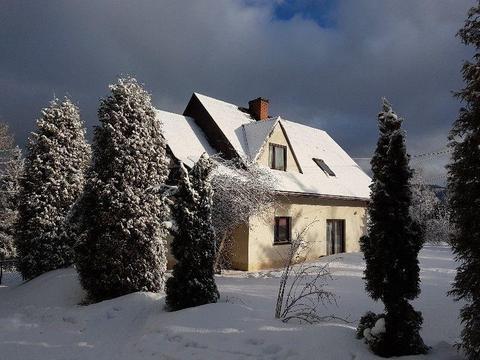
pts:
[41, 319]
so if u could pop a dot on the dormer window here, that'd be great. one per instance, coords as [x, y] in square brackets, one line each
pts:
[278, 157]
[326, 169]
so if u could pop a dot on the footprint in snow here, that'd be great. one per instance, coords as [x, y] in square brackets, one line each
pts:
[255, 341]
[271, 349]
[195, 345]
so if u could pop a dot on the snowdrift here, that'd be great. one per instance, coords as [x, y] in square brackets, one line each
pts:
[42, 319]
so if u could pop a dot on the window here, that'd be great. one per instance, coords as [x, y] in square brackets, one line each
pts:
[326, 169]
[335, 236]
[278, 157]
[283, 230]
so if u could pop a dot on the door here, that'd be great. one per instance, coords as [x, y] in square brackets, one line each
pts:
[335, 236]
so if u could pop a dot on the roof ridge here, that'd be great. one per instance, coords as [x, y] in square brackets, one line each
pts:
[212, 98]
[301, 124]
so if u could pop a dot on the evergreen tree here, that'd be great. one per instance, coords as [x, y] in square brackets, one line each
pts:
[119, 220]
[11, 167]
[391, 247]
[57, 156]
[193, 281]
[464, 191]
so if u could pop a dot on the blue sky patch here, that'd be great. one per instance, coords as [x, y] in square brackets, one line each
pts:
[320, 11]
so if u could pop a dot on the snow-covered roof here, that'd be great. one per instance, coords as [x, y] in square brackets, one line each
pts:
[248, 137]
[310, 143]
[184, 138]
[229, 119]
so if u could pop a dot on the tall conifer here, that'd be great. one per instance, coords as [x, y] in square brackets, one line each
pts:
[391, 246]
[464, 189]
[193, 282]
[56, 159]
[119, 220]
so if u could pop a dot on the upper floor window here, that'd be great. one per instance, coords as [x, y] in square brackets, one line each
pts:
[278, 157]
[326, 169]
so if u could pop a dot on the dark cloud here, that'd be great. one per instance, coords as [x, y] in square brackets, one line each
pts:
[329, 77]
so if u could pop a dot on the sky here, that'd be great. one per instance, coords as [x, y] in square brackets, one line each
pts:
[324, 63]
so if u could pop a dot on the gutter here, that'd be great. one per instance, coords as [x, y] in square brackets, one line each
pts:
[322, 196]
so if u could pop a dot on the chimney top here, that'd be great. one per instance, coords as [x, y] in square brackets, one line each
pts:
[258, 108]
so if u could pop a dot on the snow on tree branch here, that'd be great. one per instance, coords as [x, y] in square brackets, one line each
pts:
[240, 191]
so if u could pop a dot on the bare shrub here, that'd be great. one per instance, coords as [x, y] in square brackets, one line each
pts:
[240, 191]
[429, 212]
[302, 285]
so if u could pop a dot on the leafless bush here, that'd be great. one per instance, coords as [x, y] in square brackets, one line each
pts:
[240, 191]
[302, 286]
[11, 171]
[429, 212]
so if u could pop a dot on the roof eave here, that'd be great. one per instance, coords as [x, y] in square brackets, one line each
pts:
[322, 196]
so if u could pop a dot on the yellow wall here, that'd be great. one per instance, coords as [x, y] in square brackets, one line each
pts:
[304, 211]
[278, 137]
[239, 258]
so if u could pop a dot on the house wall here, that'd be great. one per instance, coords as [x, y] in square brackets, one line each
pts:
[239, 253]
[278, 137]
[305, 211]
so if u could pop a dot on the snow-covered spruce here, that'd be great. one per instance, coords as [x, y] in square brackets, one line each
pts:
[119, 220]
[56, 159]
[464, 189]
[10, 174]
[392, 244]
[193, 282]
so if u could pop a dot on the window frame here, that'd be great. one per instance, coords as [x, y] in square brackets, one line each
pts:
[332, 251]
[271, 156]
[276, 226]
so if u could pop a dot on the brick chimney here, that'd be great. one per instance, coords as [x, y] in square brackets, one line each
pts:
[258, 108]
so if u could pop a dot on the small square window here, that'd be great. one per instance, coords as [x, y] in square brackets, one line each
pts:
[278, 157]
[283, 230]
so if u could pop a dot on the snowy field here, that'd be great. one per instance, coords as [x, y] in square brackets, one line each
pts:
[41, 319]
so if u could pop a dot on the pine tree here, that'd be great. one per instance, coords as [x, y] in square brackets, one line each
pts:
[193, 281]
[56, 159]
[391, 246]
[464, 191]
[11, 167]
[119, 220]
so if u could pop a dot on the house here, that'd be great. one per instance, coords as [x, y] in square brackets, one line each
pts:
[319, 184]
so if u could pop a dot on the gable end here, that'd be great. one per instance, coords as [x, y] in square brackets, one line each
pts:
[213, 133]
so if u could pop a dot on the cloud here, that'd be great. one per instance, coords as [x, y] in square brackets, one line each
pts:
[330, 77]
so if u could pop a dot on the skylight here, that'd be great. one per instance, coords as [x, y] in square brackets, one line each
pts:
[326, 169]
